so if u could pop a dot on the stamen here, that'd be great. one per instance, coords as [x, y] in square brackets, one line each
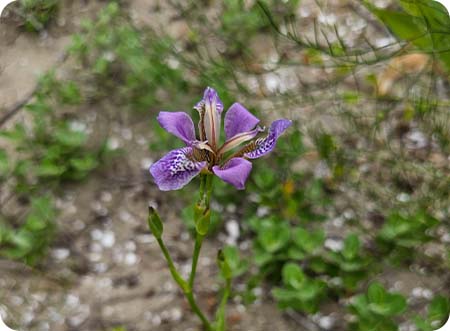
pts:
[199, 155]
[250, 147]
[238, 139]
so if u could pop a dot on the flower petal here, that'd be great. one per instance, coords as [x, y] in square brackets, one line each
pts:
[179, 124]
[213, 110]
[238, 120]
[175, 169]
[266, 145]
[234, 172]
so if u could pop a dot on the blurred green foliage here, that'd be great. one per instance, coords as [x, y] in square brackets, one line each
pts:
[400, 233]
[37, 14]
[376, 309]
[122, 61]
[299, 291]
[423, 23]
[28, 242]
[438, 312]
[50, 150]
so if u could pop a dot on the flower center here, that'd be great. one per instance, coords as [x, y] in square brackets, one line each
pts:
[200, 155]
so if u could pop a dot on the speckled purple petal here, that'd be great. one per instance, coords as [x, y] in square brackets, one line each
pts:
[234, 172]
[238, 120]
[179, 124]
[175, 169]
[268, 143]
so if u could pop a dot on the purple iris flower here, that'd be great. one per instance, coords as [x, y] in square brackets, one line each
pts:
[179, 166]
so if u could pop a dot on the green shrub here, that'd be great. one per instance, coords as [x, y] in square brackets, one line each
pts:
[37, 14]
[437, 314]
[376, 309]
[30, 240]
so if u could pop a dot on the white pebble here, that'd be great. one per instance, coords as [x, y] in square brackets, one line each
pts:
[156, 320]
[60, 253]
[326, 322]
[108, 239]
[232, 228]
[262, 211]
[130, 259]
[336, 245]
[146, 163]
[176, 314]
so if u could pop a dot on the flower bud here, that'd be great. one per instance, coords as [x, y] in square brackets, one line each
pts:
[154, 222]
[223, 265]
[202, 220]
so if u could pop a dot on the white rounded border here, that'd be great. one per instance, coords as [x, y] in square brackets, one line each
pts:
[3, 4]
[3, 326]
[445, 3]
[445, 327]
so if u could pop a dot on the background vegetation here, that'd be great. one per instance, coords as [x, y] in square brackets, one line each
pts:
[355, 198]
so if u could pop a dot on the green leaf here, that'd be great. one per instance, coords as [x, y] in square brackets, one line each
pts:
[425, 24]
[16, 134]
[384, 303]
[49, 170]
[84, 164]
[309, 241]
[397, 304]
[4, 164]
[265, 179]
[296, 253]
[69, 93]
[434, 13]
[203, 222]
[439, 309]
[310, 290]
[351, 247]
[236, 264]
[261, 256]
[376, 293]
[70, 138]
[35, 223]
[360, 305]
[43, 207]
[405, 26]
[282, 294]
[275, 237]
[352, 266]
[293, 275]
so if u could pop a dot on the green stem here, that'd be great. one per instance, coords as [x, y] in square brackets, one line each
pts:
[205, 196]
[187, 290]
[197, 248]
[220, 315]
[173, 270]
[202, 186]
[209, 186]
[196, 309]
